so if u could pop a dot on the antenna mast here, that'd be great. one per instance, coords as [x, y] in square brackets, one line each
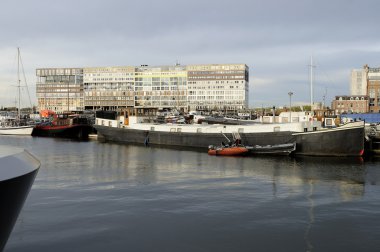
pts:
[311, 82]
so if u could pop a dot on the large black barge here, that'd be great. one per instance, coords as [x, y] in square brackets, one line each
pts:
[311, 140]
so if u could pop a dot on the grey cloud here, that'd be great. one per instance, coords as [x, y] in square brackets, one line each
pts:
[274, 38]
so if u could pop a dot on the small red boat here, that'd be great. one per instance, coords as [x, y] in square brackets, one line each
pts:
[227, 150]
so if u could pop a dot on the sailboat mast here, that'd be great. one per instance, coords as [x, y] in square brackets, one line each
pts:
[19, 84]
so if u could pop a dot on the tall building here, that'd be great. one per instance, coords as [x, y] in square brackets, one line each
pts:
[218, 87]
[366, 81]
[60, 89]
[359, 81]
[193, 87]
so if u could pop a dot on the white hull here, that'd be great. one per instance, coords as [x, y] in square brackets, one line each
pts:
[21, 130]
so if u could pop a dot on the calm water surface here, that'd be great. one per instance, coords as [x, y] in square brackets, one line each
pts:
[91, 196]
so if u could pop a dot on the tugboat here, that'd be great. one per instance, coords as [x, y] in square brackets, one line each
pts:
[64, 125]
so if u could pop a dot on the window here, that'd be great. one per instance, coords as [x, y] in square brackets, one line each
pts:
[372, 93]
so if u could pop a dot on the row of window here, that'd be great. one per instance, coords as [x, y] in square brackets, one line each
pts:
[160, 103]
[109, 103]
[217, 77]
[213, 103]
[60, 95]
[351, 98]
[358, 105]
[212, 82]
[109, 74]
[350, 111]
[95, 98]
[191, 93]
[57, 108]
[215, 97]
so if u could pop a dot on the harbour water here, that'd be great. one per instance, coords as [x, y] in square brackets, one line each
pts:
[91, 196]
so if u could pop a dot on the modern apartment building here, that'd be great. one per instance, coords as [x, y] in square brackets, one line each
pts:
[60, 89]
[192, 87]
[350, 104]
[222, 87]
[108, 88]
[161, 87]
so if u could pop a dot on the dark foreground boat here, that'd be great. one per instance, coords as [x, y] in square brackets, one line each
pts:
[64, 125]
[276, 149]
[18, 169]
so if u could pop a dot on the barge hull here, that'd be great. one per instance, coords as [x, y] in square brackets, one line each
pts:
[199, 141]
[344, 141]
[331, 142]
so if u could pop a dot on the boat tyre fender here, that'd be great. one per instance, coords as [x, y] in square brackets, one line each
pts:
[146, 141]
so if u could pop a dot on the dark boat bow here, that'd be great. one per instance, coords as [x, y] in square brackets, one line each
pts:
[18, 168]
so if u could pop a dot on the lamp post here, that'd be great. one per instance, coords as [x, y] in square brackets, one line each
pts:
[290, 106]
[68, 94]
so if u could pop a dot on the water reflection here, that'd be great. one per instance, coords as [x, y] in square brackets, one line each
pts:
[309, 246]
[69, 162]
[202, 200]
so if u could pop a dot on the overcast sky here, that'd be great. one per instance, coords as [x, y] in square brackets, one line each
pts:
[274, 38]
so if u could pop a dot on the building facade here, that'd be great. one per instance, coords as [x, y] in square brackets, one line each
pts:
[161, 87]
[108, 88]
[373, 87]
[366, 81]
[221, 87]
[358, 84]
[60, 89]
[348, 104]
[218, 87]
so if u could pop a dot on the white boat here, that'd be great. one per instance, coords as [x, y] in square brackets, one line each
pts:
[14, 126]
[16, 130]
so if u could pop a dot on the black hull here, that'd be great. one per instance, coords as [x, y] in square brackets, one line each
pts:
[199, 141]
[17, 174]
[278, 149]
[332, 142]
[72, 131]
[345, 142]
